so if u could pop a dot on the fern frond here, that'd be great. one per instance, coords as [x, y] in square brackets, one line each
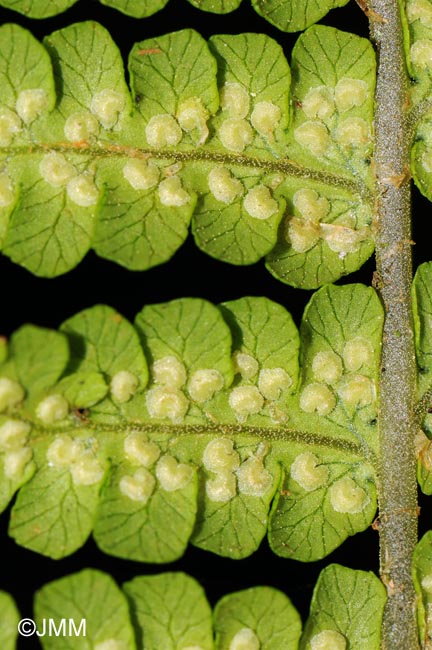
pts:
[217, 138]
[290, 16]
[197, 424]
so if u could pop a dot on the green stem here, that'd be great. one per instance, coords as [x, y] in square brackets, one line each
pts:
[397, 489]
[285, 166]
[259, 433]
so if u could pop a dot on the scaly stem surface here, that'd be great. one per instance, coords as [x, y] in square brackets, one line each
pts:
[397, 480]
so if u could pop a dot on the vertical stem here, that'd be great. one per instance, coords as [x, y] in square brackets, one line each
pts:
[398, 488]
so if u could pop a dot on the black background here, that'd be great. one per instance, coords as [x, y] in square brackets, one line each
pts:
[25, 298]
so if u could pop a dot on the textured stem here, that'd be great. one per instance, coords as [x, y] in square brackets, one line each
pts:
[398, 491]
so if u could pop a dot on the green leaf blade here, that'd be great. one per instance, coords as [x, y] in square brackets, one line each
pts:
[23, 73]
[310, 519]
[9, 618]
[295, 15]
[326, 496]
[418, 45]
[38, 8]
[148, 514]
[422, 307]
[328, 234]
[41, 356]
[346, 610]
[155, 71]
[55, 511]
[261, 615]
[90, 596]
[422, 571]
[103, 341]
[180, 329]
[343, 368]
[172, 611]
[130, 8]
[216, 6]
[136, 228]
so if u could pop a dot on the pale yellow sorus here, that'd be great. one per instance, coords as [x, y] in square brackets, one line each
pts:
[245, 639]
[56, 170]
[31, 103]
[352, 132]
[245, 364]
[220, 456]
[139, 450]
[343, 239]
[107, 106]
[87, 470]
[426, 583]
[204, 383]
[84, 466]
[138, 487]
[356, 390]
[123, 386]
[327, 366]
[224, 187]
[221, 459]
[141, 175]
[421, 53]
[172, 194]
[169, 371]
[265, 118]
[81, 127]
[272, 382]
[13, 438]
[167, 402]
[347, 497]
[221, 488]
[317, 397]
[419, 10]
[357, 352]
[308, 471]
[7, 194]
[64, 451]
[192, 116]
[245, 401]
[328, 640]
[16, 463]
[259, 203]
[350, 93]
[235, 134]
[10, 125]
[314, 136]
[11, 393]
[173, 475]
[319, 103]
[52, 409]
[426, 160]
[82, 190]
[13, 435]
[304, 232]
[235, 99]
[163, 130]
[311, 205]
[253, 479]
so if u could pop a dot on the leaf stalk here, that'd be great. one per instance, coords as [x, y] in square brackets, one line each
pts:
[397, 476]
